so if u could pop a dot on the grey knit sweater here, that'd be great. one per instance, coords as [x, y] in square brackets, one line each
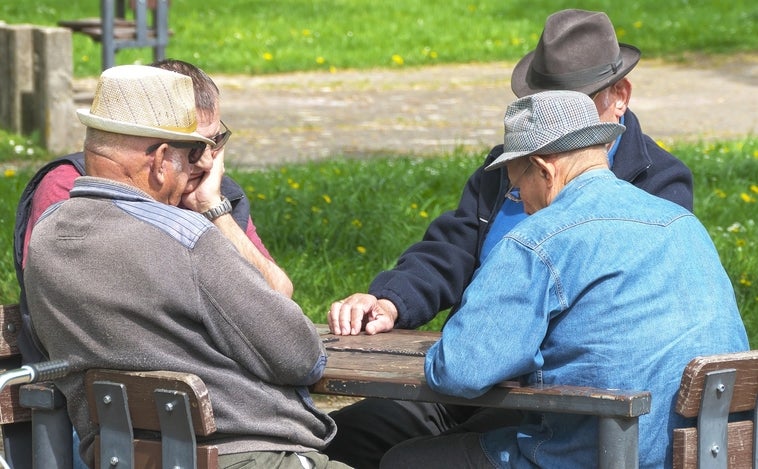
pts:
[118, 280]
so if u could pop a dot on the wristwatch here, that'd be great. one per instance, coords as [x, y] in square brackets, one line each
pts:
[221, 209]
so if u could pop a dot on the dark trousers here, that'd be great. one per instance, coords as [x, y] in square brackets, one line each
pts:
[367, 429]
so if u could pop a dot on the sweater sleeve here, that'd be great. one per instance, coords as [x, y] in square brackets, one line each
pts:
[264, 331]
[430, 275]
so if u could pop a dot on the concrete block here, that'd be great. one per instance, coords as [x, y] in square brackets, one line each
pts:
[53, 108]
[16, 75]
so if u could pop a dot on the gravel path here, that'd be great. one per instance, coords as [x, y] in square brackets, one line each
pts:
[280, 119]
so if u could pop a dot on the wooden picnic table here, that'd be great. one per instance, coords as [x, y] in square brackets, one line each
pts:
[391, 365]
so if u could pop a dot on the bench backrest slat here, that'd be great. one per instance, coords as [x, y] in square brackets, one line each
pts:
[140, 386]
[10, 358]
[693, 380]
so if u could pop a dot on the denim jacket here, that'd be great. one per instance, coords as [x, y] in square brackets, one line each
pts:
[430, 275]
[608, 287]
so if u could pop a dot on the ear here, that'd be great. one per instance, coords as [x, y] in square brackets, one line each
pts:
[545, 167]
[622, 93]
[158, 165]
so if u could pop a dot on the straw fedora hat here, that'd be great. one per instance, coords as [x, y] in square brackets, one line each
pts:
[577, 51]
[553, 122]
[144, 101]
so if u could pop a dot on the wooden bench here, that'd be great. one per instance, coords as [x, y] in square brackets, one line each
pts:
[148, 28]
[34, 413]
[123, 403]
[128, 403]
[712, 389]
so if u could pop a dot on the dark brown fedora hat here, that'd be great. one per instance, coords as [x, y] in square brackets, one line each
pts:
[578, 51]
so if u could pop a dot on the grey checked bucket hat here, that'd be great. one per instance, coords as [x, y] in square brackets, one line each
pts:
[145, 102]
[553, 122]
[577, 51]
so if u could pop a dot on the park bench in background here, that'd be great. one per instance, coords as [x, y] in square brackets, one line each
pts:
[115, 31]
[712, 388]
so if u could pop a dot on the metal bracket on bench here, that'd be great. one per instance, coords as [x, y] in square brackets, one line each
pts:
[116, 436]
[177, 432]
[713, 419]
[52, 440]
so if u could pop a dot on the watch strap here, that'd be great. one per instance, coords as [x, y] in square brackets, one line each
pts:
[221, 209]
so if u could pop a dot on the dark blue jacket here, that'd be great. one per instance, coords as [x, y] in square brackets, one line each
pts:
[30, 350]
[430, 276]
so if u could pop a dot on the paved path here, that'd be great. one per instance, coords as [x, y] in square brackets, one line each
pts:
[280, 119]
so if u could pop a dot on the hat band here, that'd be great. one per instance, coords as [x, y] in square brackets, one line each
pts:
[573, 80]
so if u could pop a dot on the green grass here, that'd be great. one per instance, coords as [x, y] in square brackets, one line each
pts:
[264, 36]
[333, 225]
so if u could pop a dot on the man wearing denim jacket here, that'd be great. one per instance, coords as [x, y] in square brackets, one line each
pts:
[603, 285]
[578, 51]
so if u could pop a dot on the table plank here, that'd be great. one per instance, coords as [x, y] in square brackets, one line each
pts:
[391, 365]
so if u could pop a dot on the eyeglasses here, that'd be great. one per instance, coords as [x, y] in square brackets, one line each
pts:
[513, 193]
[196, 149]
[221, 138]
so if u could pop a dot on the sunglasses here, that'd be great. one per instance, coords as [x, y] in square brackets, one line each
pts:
[196, 149]
[221, 138]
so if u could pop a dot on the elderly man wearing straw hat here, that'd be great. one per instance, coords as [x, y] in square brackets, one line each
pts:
[119, 277]
[578, 51]
[602, 285]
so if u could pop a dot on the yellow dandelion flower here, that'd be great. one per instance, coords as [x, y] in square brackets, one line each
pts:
[433, 54]
[332, 69]
[740, 243]
[9, 172]
[290, 200]
[261, 196]
[268, 56]
[85, 58]
[360, 249]
[414, 206]
[637, 24]
[719, 193]
[397, 59]
[356, 223]
[315, 209]
[745, 281]
[306, 32]
[754, 188]
[755, 154]
[423, 214]
[320, 60]
[747, 198]
[293, 184]
[663, 145]
[326, 198]
[621, 32]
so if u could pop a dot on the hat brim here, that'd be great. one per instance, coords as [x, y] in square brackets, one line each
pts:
[630, 56]
[597, 134]
[126, 128]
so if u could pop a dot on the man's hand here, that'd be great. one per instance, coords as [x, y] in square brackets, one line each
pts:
[204, 187]
[362, 311]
